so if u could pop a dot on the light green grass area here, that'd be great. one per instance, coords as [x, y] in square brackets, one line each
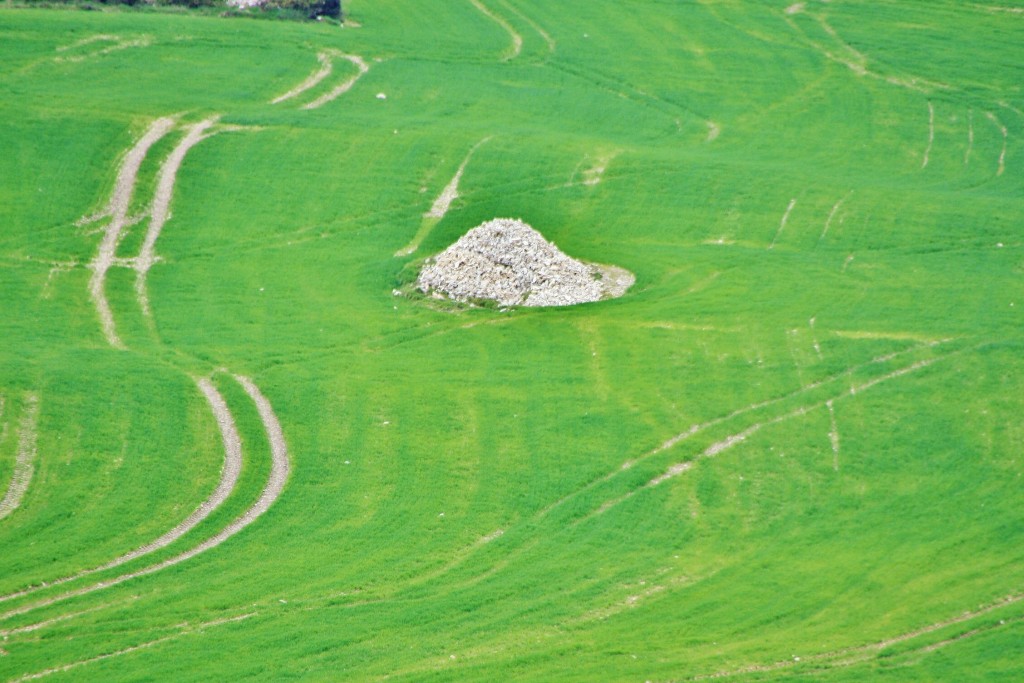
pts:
[792, 451]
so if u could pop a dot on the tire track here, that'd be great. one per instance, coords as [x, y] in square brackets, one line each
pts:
[832, 214]
[1002, 129]
[854, 655]
[534, 25]
[119, 44]
[439, 209]
[337, 91]
[517, 40]
[734, 439]
[782, 223]
[184, 631]
[931, 134]
[970, 136]
[117, 209]
[833, 434]
[725, 444]
[326, 67]
[230, 471]
[24, 460]
[271, 492]
[161, 208]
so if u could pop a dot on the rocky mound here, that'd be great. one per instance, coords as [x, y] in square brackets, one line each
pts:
[507, 261]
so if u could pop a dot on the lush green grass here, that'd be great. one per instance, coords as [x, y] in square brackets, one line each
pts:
[765, 180]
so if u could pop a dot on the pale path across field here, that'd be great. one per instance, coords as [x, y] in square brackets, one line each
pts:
[339, 90]
[161, 208]
[855, 655]
[117, 209]
[517, 40]
[326, 67]
[119, 43]
[184, 630]
[443, 202]
[24, 463]
[230, 470]
[279, 469]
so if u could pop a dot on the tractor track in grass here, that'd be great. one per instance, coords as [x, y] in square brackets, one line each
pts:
[439, 209]
[782, 223]
[832, 214]
[339, 90]
[67, 616]
[184, 630]
[230, 471]
[450, 193]
[24, 461]
[857, 61]
[970, 136]
[1002, 129]
[704, 426]
[517, 40]
[119, 43]
[716, 448]
[271, 492]
[117, 209]
[160, 210]
[545, 36]
[326, 68]
[931, 134]
[850, 656]
[736, 438]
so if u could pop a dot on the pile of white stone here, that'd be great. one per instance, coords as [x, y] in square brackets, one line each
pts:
[507, 261]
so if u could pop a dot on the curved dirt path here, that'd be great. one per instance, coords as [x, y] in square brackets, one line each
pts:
[119, 44]
[517, 40]
[931, 134]
[183, 630]
[230, 470]
[161, 208]
[441, 204]
[117, 210]
[536, 27]
[344, 87]
[782, 223]
[1002, 129]
[25, 458]
[857, 654]
[326, 67]
[451, 191]
[279, 470]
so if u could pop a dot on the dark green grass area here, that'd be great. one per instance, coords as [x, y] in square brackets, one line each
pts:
[822, 204]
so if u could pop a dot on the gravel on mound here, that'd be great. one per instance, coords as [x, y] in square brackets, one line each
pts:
[507, 261]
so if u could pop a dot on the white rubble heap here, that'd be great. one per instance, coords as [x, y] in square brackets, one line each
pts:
[507, 261]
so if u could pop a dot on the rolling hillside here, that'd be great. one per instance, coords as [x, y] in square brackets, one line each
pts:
[792, 451]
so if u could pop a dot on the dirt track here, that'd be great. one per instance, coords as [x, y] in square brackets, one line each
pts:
[229, 478]
[344, 87]
[117, 210]
[275, 485]
[25, 458]
[161, 208]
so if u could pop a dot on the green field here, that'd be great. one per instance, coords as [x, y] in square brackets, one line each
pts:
[792, 451]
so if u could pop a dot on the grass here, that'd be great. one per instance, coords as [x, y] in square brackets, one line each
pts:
[457, 507]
